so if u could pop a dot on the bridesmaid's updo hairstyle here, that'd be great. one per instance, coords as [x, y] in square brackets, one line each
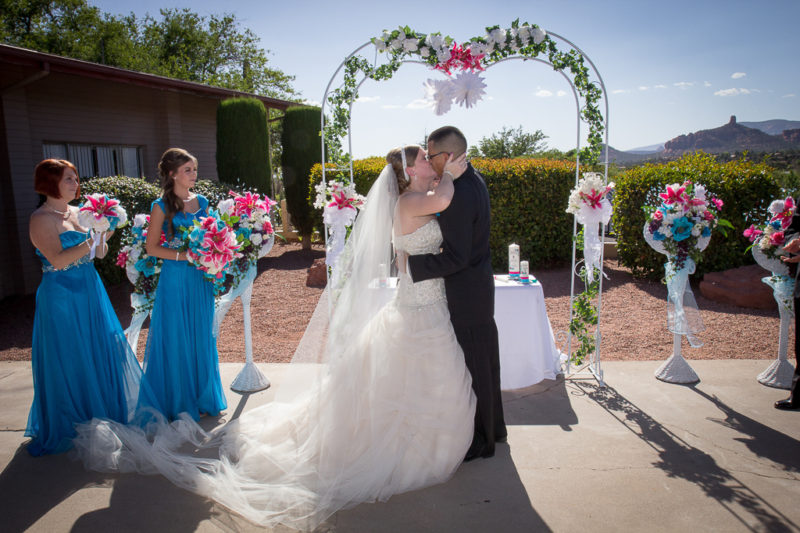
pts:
[395, 158]
[48, 174]
[170, 162]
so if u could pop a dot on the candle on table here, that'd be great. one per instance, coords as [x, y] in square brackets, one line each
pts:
[523, 272]
[513, 260]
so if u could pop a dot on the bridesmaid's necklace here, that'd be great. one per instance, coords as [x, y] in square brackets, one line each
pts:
[62, 213]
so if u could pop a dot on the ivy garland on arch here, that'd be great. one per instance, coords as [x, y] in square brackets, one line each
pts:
[444, 53]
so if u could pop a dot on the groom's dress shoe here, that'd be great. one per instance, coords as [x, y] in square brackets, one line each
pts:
[788, 404]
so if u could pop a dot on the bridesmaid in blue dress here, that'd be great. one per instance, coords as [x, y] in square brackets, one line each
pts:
[82, 365]
[181, 364]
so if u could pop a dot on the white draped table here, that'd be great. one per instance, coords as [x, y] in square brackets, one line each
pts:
[528, 353]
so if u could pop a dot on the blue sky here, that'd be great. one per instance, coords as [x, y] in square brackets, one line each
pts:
[669, 67]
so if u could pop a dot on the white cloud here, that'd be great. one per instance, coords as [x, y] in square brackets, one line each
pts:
[561, 94]
[706, 84]
[790, 95]
[419, 103]
[737, 75]
[620, 91]
[643, 87]
[543, 93]
[368, 99]
[683, 84]
[659, 86]
[312, 103]
[732, 92]
[390, 106]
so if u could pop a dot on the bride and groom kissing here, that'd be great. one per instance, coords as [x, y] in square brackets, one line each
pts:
[408, 390]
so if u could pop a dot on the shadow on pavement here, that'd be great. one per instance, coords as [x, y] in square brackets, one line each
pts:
[544, 404]
[679, 459]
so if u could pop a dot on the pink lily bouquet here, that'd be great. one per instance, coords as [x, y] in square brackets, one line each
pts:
[211, 247]
[590, 203]
[248, 214]
[340, 204]
[770, 238]
[100, 214]
[681, 226]
[142, 269]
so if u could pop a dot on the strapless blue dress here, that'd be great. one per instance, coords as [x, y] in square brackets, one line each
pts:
[82, 364]
[181, 364]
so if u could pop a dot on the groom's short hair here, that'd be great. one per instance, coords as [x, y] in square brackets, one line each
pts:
[449, 139]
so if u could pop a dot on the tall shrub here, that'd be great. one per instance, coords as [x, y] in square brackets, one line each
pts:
[528, 198]
[745, 188]
[301, 150]
[243, 144]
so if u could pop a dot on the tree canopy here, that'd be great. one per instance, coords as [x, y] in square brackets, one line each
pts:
[509, 143]
[179, 43]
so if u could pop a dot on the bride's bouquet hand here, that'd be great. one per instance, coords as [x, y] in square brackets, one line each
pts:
[455, 167]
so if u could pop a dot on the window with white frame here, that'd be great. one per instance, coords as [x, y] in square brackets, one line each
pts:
[98, 160]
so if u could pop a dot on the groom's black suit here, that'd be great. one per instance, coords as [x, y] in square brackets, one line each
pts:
[465, 264]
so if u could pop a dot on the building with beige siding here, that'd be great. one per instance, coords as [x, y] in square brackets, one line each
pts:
[107, 121]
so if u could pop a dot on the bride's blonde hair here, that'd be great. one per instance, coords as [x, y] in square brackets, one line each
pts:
[395, 158]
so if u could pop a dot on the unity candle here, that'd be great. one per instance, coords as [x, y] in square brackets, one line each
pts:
[513, 260]
[523, 272]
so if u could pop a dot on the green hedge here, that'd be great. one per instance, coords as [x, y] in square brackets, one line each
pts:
[528, 197]
[746, 189]
[243, 144]
[300, 140]
[136, 196]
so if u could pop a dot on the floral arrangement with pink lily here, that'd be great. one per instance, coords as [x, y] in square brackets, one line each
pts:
[248, 214]
[771, 237]
[590, 203]
[142, 269]
[100, 214]
[340, 204]
[681, 226]
[211, 245]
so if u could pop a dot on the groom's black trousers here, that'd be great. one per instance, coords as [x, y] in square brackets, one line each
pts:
[482, 356]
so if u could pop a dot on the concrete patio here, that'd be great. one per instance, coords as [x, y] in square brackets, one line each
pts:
[638, 455]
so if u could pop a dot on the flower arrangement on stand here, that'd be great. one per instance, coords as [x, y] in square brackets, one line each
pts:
[768, 241]
[142, 271]
[590, 203]
[211, 245]
[680, 228]
[340, 204]
[101, 214]
[248, 216]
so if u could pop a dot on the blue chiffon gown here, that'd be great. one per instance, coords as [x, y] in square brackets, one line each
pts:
[181, 365]
[82, 364]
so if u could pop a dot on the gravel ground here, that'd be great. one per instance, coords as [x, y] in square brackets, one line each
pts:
[632, 321]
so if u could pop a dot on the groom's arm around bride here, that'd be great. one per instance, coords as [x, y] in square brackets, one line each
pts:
[465, 264]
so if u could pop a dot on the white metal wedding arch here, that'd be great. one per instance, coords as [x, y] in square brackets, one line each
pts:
[522, 42]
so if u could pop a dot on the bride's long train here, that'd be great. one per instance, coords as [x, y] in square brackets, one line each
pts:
[399, 420]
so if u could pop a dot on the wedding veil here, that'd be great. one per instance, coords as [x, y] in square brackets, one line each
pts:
[297, 461]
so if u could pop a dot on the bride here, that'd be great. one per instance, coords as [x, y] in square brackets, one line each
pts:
[392, 410]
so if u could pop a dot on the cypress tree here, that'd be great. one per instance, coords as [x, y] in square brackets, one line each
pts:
[301, 150]
[243, 144]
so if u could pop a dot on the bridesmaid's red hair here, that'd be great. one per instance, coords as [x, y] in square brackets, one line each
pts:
[48, 175]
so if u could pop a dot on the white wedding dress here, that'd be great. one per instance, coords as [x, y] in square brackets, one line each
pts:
[397, 417]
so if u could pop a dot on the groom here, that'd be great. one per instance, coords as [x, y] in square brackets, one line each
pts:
[466, 266]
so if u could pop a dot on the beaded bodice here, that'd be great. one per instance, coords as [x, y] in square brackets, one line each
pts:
[68, 239]
[426, 239]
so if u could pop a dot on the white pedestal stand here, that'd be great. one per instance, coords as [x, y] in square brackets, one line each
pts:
[779, 373]
[676, 369]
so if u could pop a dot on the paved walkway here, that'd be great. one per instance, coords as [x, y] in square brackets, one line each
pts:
[639, 455]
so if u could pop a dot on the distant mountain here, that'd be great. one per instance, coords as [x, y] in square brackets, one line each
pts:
[629, 156]
[773, 127]
[731, 137]
[651, 149]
